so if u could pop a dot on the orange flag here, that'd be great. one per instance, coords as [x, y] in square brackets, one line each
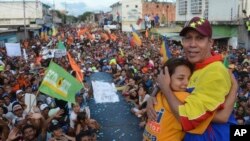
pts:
[75, 67]
[81, 32]
[70, 40]
[104, 36]
[146, 33]
[113, 37]
[89, 36]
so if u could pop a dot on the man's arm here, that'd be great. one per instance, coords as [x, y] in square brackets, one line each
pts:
[222, 116]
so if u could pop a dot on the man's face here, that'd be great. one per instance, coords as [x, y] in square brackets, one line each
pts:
[29, 134]
[18, 112]
[6, 100]
[196, 46]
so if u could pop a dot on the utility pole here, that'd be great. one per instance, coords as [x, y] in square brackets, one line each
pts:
[65, 19]
[167, 15]
[24, 18]
[53, 12]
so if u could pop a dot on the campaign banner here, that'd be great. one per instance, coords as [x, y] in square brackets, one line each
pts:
[104, 92]
[13, 49]
[59, 83]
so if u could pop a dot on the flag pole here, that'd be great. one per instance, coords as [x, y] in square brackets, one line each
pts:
[37, 93]
[31, 106]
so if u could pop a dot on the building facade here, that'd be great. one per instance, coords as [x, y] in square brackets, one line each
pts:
[165, 10]
[116, 11]
[36, 16]
[130, 11]
[225, 16]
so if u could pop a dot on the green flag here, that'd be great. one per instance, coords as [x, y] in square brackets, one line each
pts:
[248, 25]
[60, 45]
[1, 67]
[226, 62]
[50, 33]
[59, 83]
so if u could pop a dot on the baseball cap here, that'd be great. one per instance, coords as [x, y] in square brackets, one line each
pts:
[18, 92]
[52, 112]
[16, 106]
[198, 24]
[5, 95]
[43, 106]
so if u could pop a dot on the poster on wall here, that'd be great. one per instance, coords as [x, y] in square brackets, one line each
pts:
[13, 49]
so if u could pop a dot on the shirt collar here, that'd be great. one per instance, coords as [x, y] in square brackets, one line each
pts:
[208, 61]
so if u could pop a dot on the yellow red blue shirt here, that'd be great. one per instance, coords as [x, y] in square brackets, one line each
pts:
[210, 83]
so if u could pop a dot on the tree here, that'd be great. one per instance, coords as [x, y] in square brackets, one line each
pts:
[71, 19]
[84, 16]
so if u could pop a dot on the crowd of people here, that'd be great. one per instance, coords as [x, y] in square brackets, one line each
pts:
[134, 70]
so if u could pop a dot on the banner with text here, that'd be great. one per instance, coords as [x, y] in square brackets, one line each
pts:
[60, 84]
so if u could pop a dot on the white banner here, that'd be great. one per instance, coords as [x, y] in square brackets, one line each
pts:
[13, 49]
[104, 92]
[58, 53]
[47, 53]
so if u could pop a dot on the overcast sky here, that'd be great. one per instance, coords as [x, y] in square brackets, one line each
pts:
[77, 7]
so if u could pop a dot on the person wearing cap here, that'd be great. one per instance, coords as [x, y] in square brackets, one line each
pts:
[7, 101]
[20, 96]
[44, 108]
[19, 114]
[106, 67]
[208, 87]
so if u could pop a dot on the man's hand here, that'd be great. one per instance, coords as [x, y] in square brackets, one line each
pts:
[59, 113]
[150, 109]
[13, 134]
[163, 78]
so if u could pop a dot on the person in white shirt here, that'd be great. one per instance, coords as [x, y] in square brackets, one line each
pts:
[73, 115]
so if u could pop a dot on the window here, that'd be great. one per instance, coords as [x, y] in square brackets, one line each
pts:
[196, 6]
[127, 6]
[136, 6]
[157, 6]
[182, 7]
[206, 10]
[2, 44]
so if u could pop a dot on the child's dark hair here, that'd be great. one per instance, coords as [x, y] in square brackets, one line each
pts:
[28, 126]
[81, 116]
[173, 63]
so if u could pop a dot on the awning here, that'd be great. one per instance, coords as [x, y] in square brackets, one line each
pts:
[224, 31]
[170, 29]
[172, 32]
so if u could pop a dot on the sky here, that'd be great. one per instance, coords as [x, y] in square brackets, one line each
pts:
[78, 7]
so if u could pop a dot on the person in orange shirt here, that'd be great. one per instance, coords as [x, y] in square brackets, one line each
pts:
[167, 127]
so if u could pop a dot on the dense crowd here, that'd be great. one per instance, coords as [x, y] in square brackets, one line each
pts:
[134, 69]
